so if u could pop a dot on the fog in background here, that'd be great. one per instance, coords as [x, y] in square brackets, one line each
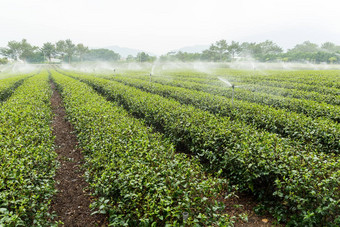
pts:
[162, 26]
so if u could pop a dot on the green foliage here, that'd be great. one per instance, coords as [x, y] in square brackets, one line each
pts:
[234, 48]
[332, 59]
[144, 57]
[307, 107]
[101, 55]
[306, 47]
[330, 47]
[48, 50]
[219, 51]
[264, 51]
[181, 56]
[8, 86]
[61, 48]
[278, 84]
[140, 179]
[35, 57]
[70, 49]
[317, 134]
[27, 160]
[300, 187]
[311, 52]
[19, 50]
[81, 50]
[3, 61]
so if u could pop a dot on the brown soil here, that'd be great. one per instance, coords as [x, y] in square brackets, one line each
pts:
[71, 203]
[245, 204]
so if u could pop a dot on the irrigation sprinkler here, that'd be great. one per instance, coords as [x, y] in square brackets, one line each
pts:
[232, 86]
[232, 96]
[152, 71]
[185, 216]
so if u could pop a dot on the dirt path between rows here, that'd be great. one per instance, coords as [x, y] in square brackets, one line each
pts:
[72, 201]
[240, 205]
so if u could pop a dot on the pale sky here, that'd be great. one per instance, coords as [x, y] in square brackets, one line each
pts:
[164, 25]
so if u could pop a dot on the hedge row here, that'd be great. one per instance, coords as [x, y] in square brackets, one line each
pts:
[8, 85]
[316, 134]
[137, 175]
[27, 159]
[293, 85]
[303, 185]
[314, 80]
[307, 107]
[278, 91]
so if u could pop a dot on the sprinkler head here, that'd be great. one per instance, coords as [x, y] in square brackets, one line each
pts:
[185, 216]
[233, 86]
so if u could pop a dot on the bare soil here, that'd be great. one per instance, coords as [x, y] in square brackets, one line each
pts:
[71, 203]
[245, 204]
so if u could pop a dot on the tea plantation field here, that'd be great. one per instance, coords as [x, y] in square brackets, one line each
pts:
[173, 147]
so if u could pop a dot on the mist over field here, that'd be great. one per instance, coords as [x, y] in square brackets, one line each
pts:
[169, 113]
[195, 66]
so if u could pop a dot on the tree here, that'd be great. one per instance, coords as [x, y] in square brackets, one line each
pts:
[267, 51]
[70, 49]
[249, 49]
[270, 48]
[27, 50]
[13, 50]
[81, 50]
[330, 47]
[130, 58]
[306, 47]
[332, 59]
[61, 48]
[36, 57]
[180, 56]
[234, 48]
[66, 48]
[18, 50]
[221, 47]
[170, 56]
[48, 50]
[216, 52]
[285, 59]
[144, 57]
[3, 61]
[209, 54]
[102, 55]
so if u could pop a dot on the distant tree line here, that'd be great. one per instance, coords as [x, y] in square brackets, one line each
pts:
[220, 51]
[63, 50]
[266, 51]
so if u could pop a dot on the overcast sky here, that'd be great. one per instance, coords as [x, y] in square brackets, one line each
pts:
[159, 26]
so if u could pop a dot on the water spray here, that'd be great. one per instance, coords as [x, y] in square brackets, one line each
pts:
[232, 86]
[232, 96]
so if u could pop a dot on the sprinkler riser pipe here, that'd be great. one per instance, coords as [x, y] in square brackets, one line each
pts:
[185, 216]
